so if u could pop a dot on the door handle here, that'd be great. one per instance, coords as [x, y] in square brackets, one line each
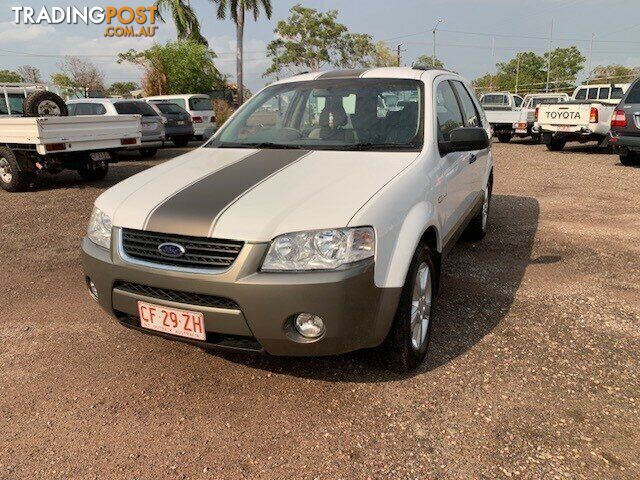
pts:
[472, 158]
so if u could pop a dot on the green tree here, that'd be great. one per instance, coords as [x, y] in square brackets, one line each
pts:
[176, 67]
[9, 76]
[184, 17]
[566, 63]
[62, 80]
[613, 74]
[312, 39]
[428, 61]
[237, 10]
[384, 56]
[122, 89]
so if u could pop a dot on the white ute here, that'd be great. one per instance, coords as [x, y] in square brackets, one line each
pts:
[585, 118]
[524, 127]
[313, 223]
[36, 136]
[502, 110]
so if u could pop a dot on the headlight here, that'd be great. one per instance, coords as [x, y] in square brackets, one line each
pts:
[99, 231]
[319, 249]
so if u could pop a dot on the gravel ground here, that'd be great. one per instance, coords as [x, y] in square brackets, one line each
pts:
[533, 370]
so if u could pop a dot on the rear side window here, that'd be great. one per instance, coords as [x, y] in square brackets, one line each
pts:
[471, 115]
[617, 93]
[634, 94]
[135, 108]
[517, 101]
[80, 109]
[604, 93]
[169, 108]
[582, 94]
[16, 101]
[593, 94]
[447, 111]
[200, 104]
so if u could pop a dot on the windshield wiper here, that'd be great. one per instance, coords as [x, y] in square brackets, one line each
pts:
[381, 146]
[283, 146]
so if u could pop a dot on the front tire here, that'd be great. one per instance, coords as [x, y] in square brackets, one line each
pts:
[181, 142]
[12, 179]
[630, 158]
[407, 343]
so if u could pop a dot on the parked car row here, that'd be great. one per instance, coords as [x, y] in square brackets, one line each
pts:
[38, 131]
[608, 114]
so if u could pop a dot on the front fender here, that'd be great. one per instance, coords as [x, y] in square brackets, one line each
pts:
[393, 263]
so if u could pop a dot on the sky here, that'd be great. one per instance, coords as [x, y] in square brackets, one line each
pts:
[464, 38]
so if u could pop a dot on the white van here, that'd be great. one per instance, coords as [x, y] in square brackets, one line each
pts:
[198, 106]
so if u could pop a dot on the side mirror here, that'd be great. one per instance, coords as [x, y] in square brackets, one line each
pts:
[465, 139]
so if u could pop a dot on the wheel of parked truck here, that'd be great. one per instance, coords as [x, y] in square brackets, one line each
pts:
[504, 137]
[45, 104]
[556, 145]
[148, 152]
[630, 158]
[12, 179]
[91, 172]
[536, 137]
[478, 226]
[407, 343]
[180, 142]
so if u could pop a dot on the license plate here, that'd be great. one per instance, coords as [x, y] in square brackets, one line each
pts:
[181, 122]
[565, 128]
[100, 156]
[182, 323]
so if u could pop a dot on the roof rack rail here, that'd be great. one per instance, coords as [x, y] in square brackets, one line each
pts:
[419, 66]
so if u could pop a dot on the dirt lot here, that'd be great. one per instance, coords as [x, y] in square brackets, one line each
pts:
[533, 373]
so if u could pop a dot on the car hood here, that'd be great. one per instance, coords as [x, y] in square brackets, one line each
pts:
[251, 195]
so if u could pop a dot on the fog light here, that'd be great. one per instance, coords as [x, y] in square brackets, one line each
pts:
[309, 326]
[93, 291]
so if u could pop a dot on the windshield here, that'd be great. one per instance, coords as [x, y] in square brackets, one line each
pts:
[135, 108]
[169, 108]
[200, 104]
[336, 114]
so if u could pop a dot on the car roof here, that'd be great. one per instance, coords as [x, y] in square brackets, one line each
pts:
[381, 72]
[105, 100]
[182, 95]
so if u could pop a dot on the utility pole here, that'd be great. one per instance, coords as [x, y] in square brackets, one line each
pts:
[433, 57]
[517, 70]
[399, 54]
[549, 57]
[593, 36]
[491, 67]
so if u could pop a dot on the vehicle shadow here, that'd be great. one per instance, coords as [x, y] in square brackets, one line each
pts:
[479, 284]
[70, 179]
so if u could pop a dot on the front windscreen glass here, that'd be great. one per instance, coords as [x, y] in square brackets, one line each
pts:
[340, 114]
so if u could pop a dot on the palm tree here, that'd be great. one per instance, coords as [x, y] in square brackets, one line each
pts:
[237, 9]
[184, 17]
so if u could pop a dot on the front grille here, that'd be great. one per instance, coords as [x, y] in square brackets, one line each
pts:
[201, 253]
[178, 296]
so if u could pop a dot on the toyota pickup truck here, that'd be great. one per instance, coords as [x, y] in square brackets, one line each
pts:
[524, 127]
[318, 231]
[36, 136]
[503, 111]
[585, 118]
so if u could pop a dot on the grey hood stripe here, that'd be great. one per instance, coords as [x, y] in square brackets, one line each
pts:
[193, 210]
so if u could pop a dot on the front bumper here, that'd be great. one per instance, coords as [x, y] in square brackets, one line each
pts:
[357, 314]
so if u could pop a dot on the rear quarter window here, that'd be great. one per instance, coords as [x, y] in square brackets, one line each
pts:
[634, 94]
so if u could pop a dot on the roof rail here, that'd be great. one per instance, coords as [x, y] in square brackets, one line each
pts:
[419, 66]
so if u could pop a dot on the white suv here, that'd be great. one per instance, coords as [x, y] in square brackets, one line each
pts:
[313, 223]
